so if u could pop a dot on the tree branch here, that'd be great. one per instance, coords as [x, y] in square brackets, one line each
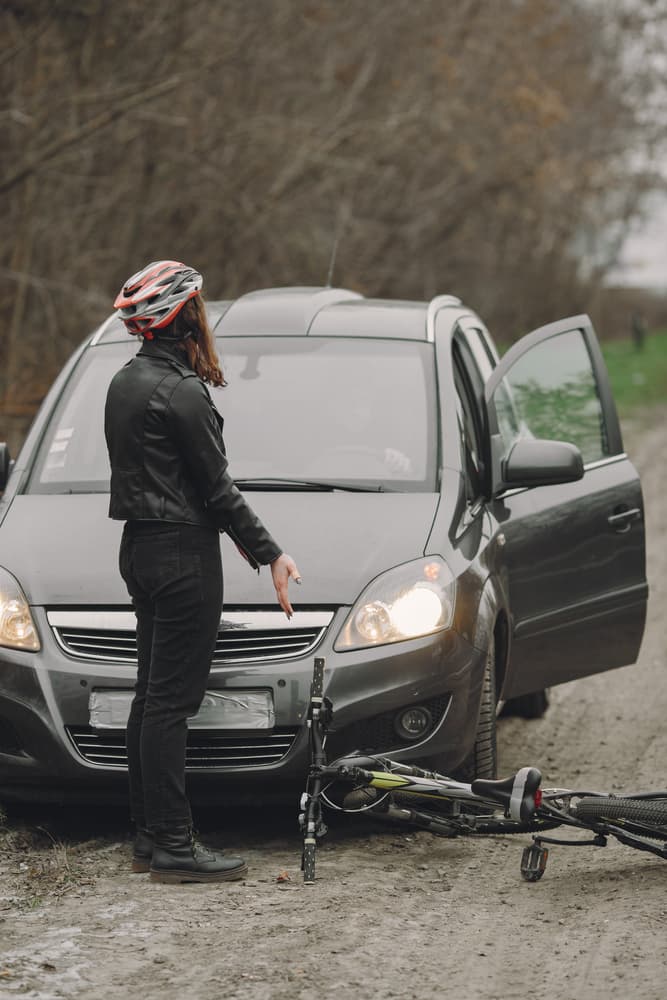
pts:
[75, 135]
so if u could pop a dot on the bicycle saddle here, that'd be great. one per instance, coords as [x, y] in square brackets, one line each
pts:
[519, 794]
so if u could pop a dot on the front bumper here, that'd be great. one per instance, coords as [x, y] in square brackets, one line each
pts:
[44, 715]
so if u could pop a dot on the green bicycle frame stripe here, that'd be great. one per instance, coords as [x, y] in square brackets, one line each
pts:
[409, 783]
[383, 779]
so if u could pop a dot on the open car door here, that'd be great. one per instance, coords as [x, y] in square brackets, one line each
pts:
[575, 551]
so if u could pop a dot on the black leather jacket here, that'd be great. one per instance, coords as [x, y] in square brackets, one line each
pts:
[167, 454]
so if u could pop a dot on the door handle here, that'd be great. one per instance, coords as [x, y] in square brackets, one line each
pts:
[622, 519]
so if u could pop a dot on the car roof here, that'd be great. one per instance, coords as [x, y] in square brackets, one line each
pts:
[323, 312]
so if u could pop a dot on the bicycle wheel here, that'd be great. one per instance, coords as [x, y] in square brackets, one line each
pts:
[653, 812]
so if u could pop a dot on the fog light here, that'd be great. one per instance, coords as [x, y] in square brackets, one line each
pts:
[413, 723]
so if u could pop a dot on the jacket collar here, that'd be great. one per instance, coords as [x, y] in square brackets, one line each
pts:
[165, 349]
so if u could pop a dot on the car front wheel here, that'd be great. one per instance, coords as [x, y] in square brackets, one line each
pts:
[482, 761]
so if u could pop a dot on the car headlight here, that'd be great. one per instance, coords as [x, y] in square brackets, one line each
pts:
[411, 600]
[17, 629]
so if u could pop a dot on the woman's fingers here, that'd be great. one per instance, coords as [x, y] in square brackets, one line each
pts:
[282, 569]
[294, 573]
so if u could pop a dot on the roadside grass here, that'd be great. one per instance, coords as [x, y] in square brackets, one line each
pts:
[638, 377]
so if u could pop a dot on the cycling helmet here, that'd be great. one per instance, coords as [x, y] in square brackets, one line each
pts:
[151, 298]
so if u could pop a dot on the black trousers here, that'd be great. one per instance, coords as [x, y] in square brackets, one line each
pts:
[173, 573]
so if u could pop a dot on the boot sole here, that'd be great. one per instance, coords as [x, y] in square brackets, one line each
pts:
[178, 877]
[140, 867]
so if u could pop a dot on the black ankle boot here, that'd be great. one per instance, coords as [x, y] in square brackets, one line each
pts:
[142, 851]
[177, 857]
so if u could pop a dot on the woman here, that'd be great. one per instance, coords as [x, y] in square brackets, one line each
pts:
[171, 485]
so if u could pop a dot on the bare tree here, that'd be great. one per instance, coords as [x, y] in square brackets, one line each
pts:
[460, 147]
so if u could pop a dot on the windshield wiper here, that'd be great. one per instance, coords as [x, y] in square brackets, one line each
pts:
[317, 485]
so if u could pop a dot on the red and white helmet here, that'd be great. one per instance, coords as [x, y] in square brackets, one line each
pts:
[151, 298]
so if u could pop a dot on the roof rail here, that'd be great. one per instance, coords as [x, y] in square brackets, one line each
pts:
[437, 303]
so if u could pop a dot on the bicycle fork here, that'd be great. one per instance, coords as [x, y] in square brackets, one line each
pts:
[310, 818]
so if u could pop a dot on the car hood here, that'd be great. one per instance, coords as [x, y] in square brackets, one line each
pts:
[63, 550]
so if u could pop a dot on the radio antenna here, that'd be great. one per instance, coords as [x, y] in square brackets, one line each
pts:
[332, 262]
[341, 221]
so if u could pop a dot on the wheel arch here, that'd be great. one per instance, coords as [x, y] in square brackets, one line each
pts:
[493, 622]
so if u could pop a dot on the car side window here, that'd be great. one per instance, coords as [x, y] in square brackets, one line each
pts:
[486, 347]
[551, 393]
[470, 428]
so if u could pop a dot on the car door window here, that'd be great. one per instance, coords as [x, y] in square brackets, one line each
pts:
[469, 426]
[551, 392]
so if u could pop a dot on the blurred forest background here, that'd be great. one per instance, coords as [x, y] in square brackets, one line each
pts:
[495, 149]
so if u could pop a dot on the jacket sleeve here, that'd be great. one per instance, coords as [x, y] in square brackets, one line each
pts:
[195, 426]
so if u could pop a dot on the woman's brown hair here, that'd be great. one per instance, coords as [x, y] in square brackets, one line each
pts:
[198, 344]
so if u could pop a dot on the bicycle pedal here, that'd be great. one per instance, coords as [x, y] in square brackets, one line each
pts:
[533, 862]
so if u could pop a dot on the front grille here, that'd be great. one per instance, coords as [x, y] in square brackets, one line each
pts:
[253, 635]
[205, 748]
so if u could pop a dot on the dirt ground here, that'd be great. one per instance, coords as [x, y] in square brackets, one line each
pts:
[390, 915]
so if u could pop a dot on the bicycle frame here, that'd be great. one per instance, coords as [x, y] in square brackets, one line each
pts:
[526, 807]
[319, 716]
[518, 797]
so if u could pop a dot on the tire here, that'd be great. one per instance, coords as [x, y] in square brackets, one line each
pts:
[482, 762]
[527, 706]
[600, 808]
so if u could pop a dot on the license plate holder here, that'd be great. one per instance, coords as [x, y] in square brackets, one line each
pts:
[228, 709]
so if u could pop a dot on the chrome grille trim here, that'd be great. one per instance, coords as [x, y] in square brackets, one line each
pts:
[110, 636]
[124, 621]
[205, 748]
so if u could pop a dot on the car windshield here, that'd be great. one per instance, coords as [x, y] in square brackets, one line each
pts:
[339, 411]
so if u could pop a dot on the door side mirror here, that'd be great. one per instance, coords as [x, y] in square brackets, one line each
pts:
[533, 462]
[5, 465]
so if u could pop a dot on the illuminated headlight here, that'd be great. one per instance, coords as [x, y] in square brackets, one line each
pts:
[406, 602]
[17, 629]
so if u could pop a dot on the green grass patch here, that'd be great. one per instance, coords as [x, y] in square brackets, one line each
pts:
[638, 378]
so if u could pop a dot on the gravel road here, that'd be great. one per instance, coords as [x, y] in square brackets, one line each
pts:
[390, 915]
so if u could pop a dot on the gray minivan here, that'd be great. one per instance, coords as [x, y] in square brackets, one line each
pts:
[469, 531]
